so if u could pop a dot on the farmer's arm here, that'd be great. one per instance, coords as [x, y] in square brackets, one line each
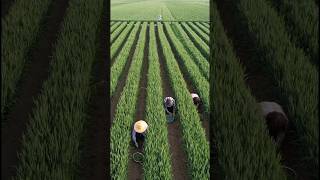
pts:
[134, 137]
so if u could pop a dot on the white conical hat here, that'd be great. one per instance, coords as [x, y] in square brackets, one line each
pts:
[140, 126]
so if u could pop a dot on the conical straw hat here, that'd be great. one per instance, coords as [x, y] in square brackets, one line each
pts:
[140, 126]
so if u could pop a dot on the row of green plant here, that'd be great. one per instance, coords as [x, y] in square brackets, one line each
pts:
[120, 40]
[115, 34]
[206, 24]
[125, 113]
[192, 50]
[295, 76]
[50, 145]
[121, 60]
[194, 141]
[197, 41]
[19, 32]
[114, 26]
[157, 163]
[199, 82]
[202, 28]
[302, 22]
[202, 35]
[245, 151]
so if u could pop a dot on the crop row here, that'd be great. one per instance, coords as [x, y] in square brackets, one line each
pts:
[120, 40]
[157, 163]
[200, 83]
[202, 35]
[302, 21]
[196, 55]
[194, 140]
[114, 26]
[203, 28]
[20, 28]
[117, 32]
[50, 146]
[201, 45]
[296, 77]
[122, 59]
[125, 113]
[245, 150]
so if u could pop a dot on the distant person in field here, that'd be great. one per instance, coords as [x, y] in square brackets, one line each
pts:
[169, 105]
[196, 100]
[139, 132]
[276, 120]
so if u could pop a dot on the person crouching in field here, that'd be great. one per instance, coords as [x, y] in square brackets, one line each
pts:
[196, 100]
[139, 132]
[169, 105]
[276, 119]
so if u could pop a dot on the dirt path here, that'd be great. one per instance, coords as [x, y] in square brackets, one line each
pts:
[36, 72]
[135, 170]
[123, 77]
[259, 82]
[178, 155]
[95, 159]
[204, 117]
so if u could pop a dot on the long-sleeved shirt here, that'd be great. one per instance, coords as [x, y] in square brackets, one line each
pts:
[134, 135]
[166, 108]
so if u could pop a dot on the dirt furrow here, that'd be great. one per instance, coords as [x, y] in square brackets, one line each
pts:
[178, 155]
[35, 73]
[258, 80]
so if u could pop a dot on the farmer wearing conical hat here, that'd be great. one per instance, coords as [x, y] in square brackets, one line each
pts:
[276, 120]
[169, 105]
[139, 132]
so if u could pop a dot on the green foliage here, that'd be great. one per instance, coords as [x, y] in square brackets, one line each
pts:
[125, 113]
[50, 145]
[202, 27]
[114, 26]
[122, 59]
[118, 31]
[116, 45]
[245, 150]
[192, 50]
[296, 77]
[200, 83]
[302, 22]
[198, 42]
[19, 30]
[194, 140]
[157, 156]
[202, 35]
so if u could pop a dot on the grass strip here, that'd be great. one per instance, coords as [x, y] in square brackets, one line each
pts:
[115, 34]
[50, 146]
[121, 60]
[19, 31]
[114, 26]
[202, 35]
[200, 83]
[296, 77]
[202, 27]
[125, 114]
[196, 55]
[198, 42]
[245, 150]
[194, 140]
[157, 156]
[120, 40]
[302, 22]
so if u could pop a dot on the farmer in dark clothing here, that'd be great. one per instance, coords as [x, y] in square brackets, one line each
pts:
[169, 105]
[276, 120]
[139, 132]
[196, 100]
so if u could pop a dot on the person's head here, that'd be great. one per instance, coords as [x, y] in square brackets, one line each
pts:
[169, 102]
[277, 123]
[140, 126]
[196, 101]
